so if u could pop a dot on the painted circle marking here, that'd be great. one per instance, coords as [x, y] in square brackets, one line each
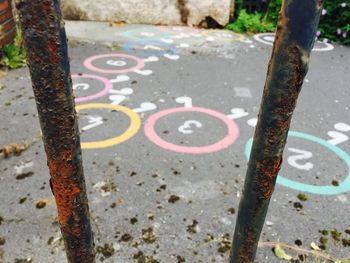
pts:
[135, 125]
[106, 82]
[314, 189]
[88, 63]
[269, 38]
[265, 38]
[233, 132]
[328, 47]
[223, 35]
[130, 47]
[145, 32]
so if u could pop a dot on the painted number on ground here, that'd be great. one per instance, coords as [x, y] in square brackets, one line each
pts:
[338, 136]
[94, 121]
[299, 159]
[83, 86]
[117, 63]
[188, 126]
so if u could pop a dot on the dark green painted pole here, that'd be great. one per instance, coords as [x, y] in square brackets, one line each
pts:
[288, 66]
[47, 59]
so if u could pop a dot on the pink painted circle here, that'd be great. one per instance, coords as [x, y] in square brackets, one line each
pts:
[88, 63]
[233, 132]
[108, 86]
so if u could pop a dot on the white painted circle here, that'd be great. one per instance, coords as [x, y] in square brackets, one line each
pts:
[269, 38]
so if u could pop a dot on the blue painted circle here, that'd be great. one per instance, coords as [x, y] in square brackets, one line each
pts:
[131, 47]
[314, 189]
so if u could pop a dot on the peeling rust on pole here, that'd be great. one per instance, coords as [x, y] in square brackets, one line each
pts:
[47, 58]
[295, 36]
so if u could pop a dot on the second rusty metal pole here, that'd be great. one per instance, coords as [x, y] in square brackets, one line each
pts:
[295, 36]
[47, 59]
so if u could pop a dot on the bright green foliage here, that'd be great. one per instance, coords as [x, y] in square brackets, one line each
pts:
[334, 23]
[250, 23]
[14, 53]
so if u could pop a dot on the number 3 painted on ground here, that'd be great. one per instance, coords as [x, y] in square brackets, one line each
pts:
[186, 128]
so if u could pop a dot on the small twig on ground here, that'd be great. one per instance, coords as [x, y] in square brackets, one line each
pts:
[301, 250]
[15, 149]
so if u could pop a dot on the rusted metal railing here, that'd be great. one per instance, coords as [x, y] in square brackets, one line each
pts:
[288, 66]
[47, 58]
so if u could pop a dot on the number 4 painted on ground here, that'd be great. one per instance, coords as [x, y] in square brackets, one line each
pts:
[94, 122]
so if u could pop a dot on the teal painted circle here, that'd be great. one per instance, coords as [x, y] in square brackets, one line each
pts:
[133, 33]
[314, 189]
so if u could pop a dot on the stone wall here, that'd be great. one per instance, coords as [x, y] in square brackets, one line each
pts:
[165, 12]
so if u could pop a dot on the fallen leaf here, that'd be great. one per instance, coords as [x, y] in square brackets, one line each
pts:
[280, 253]
[314, 246]
[117, 24]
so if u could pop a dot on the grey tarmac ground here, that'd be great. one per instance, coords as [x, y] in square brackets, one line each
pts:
[166, 116]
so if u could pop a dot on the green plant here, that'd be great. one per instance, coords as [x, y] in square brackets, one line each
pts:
[14, 54]
[250, 23]
[273, 10]
[335, 22]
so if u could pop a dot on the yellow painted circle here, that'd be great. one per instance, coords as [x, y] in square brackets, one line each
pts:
[210, 32]
[135, 125]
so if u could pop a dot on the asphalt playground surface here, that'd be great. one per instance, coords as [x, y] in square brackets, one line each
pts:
[166, 117]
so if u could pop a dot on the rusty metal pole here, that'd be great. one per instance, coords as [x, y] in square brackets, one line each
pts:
[47, 59]
[295, 36]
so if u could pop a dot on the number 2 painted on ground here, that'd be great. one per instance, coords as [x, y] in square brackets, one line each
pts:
[300, 155]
